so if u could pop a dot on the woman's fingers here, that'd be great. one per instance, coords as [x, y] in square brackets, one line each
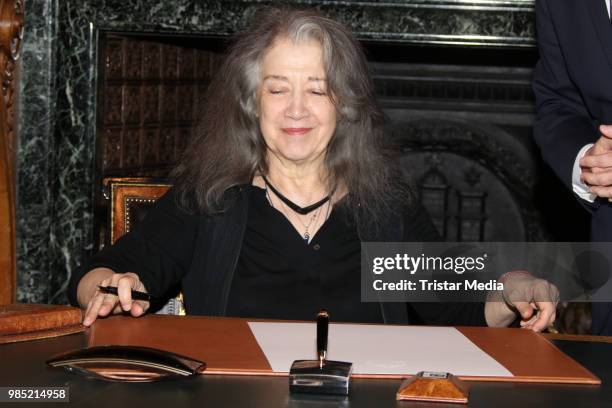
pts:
[124, 290]
[546, 298]
[94, 305]
[108, 304]
[139, 308]
[524, 309]
[535, 300]
[93, 309]
[124, 283]
[545, 301]
[104, 304]
[545, 317]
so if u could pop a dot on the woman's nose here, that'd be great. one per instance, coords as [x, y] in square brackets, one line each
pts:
[297, 108]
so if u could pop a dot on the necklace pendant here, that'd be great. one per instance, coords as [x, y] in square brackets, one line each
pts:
[306, 237]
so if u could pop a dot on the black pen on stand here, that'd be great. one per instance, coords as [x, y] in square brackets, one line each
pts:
[136, 295]
[320, 375]
[322, 333]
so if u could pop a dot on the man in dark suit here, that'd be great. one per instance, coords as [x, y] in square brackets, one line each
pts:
[573, 90]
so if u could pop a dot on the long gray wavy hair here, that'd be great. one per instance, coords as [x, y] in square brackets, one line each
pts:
[227, 148]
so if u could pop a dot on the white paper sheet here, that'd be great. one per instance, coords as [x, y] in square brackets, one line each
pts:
[378, 349]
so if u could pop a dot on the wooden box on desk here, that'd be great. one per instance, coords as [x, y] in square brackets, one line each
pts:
[22, 321]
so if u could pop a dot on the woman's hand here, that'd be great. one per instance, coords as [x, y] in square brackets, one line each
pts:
[534, 299]
[103, 304]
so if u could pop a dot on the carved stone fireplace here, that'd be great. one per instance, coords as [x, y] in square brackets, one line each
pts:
[452, 77]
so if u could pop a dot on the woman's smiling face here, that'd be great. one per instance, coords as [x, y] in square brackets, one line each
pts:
[296, 115]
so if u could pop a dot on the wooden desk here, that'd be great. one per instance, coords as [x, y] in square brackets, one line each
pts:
[23, 364]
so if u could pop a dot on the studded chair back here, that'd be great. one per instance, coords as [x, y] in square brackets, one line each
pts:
[129, 200]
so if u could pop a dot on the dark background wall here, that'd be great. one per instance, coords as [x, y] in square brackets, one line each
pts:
[448, 74]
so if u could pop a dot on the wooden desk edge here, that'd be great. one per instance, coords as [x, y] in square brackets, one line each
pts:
[577, 337]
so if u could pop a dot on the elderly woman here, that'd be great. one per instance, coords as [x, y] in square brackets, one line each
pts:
[283, 180]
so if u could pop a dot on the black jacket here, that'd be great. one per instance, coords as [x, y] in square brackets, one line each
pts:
[201, 253]
[573, 89]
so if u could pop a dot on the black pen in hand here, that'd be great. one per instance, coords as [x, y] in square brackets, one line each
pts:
[136, 295]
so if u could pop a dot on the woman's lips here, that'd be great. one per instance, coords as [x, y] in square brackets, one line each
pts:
[296, 131]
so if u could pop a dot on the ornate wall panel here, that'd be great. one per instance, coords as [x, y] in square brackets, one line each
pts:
[149, 95]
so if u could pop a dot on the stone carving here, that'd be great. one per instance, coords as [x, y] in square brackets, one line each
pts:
[472, 181]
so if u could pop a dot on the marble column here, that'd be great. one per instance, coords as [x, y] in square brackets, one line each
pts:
[35, 163]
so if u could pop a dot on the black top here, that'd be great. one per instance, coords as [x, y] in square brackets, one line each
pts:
[201, 253]
[280, 276]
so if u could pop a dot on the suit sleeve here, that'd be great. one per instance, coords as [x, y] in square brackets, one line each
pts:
[563, 125]
[419, 227]
[158, 250]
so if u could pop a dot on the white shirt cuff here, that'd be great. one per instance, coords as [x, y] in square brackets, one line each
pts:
[578, 186]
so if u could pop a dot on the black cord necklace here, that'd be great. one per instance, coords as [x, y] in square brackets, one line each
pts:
[291, 204]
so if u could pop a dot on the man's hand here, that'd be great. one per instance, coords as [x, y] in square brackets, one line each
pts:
[596, 165]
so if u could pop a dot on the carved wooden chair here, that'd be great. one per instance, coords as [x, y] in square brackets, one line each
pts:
[129, 200]
[11, 34]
